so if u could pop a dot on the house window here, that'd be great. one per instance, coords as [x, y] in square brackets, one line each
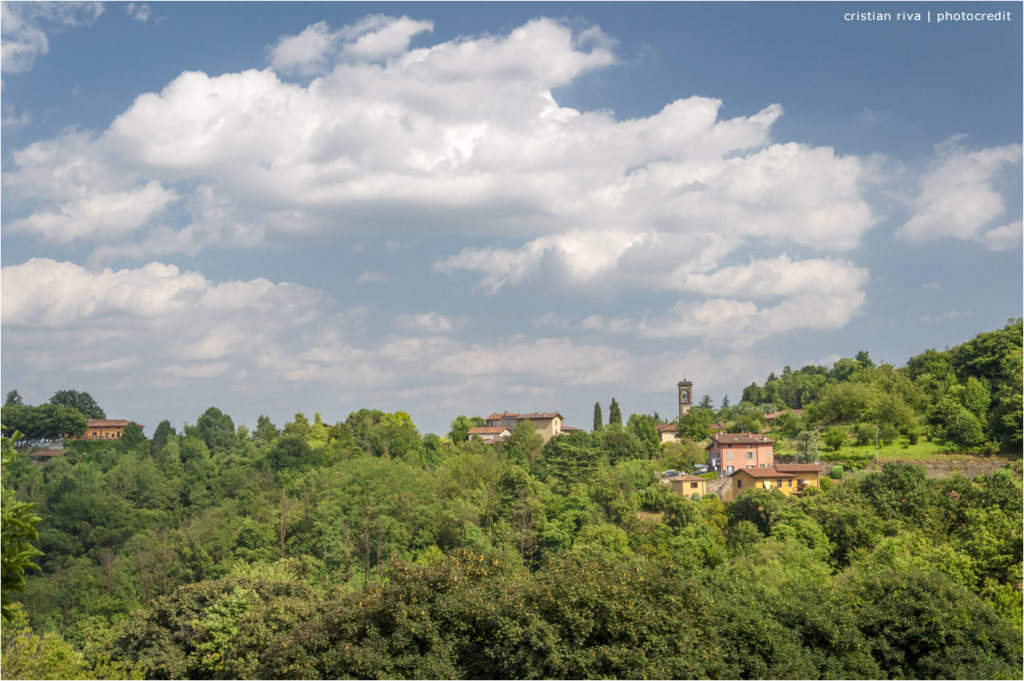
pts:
[739, 484]
[750, 465]
[750, 455]
[728, 455]
[789, 483]
[693, 485]
[729, 470]
[762, 465]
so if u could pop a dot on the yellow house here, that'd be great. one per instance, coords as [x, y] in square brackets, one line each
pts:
[104, 429]
[687, 485]
[789, 479]
[746, 479]
[805, 473]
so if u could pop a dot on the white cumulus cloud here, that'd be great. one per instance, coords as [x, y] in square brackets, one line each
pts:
[958, 197]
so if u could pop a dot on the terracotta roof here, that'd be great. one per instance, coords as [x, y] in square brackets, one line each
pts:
[798, 467]
[488, 430]
[742, 438]
[570, 429]
[762, 473]
[512, 414]
[666, 427]
[688, 478]
[96, 423]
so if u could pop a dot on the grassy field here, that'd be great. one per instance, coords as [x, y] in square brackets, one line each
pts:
[898, 451]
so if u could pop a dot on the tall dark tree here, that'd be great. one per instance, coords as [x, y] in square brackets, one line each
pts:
[217, 430]
[598, 420]
[162, 433]
[706, 403]
[80, 400]
[614, 414]
[13, 398]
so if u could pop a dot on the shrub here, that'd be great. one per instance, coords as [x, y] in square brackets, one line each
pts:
[836, 473]
[695, 496]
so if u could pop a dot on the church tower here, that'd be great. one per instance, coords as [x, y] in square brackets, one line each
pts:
[685, 397]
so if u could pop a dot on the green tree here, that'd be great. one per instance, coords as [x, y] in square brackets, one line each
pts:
[459, 428]
[164, 431]
[80, 400]
[614, 414]
[807, 446]
[922, 625]
[43, 422]
[695, 425]
[18, 527]
[645, 428]
[524, 444]
[835, 438]
[217, 430]
[266, 432]
[13, 398]
[598, 422]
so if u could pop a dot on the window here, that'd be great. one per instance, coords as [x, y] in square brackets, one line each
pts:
[693, 485]
[750, 465]
[739, 484]
[729, 470]
[750, 455]
[762, 465]
[789, 483]
[728, 455]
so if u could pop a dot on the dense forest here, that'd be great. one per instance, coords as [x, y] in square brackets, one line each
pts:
[365, 549]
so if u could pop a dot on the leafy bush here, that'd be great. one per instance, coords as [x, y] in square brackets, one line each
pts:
[836, 473]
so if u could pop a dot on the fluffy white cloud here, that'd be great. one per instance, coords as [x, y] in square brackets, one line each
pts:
[314, 49]
[463, 136]
[1004, 237]
[430, 322]
[958, 197]
[47, 294]
[104, 215]
[23, 26]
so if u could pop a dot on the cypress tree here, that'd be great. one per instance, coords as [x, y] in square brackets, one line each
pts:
[614, 414]
[598, 422]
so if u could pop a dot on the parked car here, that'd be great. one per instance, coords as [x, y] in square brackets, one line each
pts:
[671, 473]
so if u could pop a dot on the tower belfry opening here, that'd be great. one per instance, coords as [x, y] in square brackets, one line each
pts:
[685, 397]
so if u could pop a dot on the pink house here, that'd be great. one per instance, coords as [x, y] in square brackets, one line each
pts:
[730, 452]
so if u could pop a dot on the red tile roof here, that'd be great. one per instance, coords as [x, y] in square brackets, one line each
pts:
[512, 414]
[99, 423]
[488, 430]
[666, 427]
[742, 438]
[798, 467]
[687, 478]
[762, 473]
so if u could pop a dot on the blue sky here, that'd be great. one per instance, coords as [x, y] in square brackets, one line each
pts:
[448, 208]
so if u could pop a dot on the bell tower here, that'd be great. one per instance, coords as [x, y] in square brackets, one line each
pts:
[685, 397]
